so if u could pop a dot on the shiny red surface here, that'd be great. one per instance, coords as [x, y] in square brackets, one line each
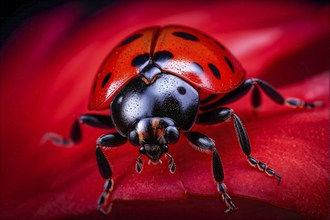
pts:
[204, 51]
[47, 69]
[118, 64]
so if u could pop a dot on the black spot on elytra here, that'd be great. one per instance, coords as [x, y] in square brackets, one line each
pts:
[229, 64]
[214, 70]
[181, 90]
[196, 68]
[106, 80]
[141, 60]
[130, 39]
[162, 57]
[185, 35]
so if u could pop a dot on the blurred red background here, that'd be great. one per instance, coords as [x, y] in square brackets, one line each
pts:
[47, 66]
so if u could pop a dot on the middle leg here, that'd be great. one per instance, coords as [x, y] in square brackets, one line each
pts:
[94, 120]
[108, 140]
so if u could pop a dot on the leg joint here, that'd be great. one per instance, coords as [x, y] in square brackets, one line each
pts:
[218, 115]
[200, 141]
[111, 140]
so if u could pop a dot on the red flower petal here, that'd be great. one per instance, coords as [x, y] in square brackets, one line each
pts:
[48, 67]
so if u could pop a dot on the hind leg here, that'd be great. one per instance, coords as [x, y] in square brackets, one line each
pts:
[255, 84]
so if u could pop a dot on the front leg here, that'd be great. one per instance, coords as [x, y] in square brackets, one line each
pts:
[94, 120]
[220, 115]
[204, 143]
[108, 140]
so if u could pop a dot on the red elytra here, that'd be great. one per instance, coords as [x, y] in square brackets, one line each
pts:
[197, 58]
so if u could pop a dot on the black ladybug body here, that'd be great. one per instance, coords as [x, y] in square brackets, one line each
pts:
[145, 112]
[169, 96]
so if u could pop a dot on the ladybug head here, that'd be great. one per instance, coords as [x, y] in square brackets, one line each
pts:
[153, 135]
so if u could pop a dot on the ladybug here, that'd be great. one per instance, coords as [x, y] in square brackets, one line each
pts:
[158, 83]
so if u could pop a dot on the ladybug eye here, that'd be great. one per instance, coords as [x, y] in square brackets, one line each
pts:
[133, 137]
[171, 134]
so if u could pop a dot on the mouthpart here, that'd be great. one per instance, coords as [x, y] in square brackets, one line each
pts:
[155, 162]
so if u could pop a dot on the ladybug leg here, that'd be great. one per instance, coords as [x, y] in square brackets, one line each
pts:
[224, 114]
[236, 94]
[256, 97]
[278, 98]
[171, 164]
[139, 164]
[272, 93]
[108, 140]
[205, 144]
[94, 120]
